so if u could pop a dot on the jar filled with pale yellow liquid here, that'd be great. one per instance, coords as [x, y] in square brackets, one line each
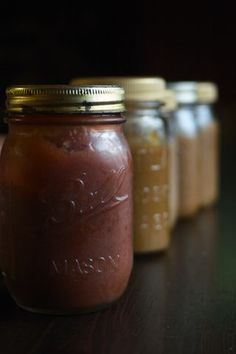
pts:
[146, 133]
[208, 143]
[168, 112]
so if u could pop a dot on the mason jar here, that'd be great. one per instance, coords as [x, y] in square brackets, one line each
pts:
[168, 112]
[3, 128]
[188, 147]
[147, 137]
[66, 198]
[146, 132]
[209, 143]
[3, 133]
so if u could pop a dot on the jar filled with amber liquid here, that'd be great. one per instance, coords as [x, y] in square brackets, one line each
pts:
[208, 143]
[168, 113]
[146, 133]
[66, 198]
[147, 137]
[188, 147]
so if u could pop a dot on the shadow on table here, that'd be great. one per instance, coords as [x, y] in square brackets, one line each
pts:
[6, 303]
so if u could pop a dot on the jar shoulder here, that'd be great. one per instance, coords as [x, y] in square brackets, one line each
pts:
[185, 122]
[38, 156]
[146, 129]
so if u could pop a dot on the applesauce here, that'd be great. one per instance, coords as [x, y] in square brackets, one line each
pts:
[209, 131]
[147, 137]
[66, 198]
[167, 111]
[188, 147]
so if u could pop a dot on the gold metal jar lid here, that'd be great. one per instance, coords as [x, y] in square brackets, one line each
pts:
[65, 99]
[207, 92]
[136, 88]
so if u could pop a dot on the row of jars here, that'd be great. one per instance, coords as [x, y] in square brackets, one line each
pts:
[67, 231]
[173, 136]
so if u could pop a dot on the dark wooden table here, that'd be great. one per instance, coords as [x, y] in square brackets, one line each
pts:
[181, 302]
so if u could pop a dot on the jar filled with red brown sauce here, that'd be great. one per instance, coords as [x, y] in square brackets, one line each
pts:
[65, 194]
[147, 135]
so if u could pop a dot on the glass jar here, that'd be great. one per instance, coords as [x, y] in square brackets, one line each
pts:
[147, 137]
[167, 111]
[3, 129]
[188, 147]
[146, 133]
[66, 185]
[3, 132]
[209, 143]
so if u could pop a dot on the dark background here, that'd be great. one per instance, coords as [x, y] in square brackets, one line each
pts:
[195, 41]
[181, 303]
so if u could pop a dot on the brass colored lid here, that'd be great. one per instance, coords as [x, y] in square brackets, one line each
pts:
[136, 88]
[207, 92]
[170, 101]
[65, 99]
